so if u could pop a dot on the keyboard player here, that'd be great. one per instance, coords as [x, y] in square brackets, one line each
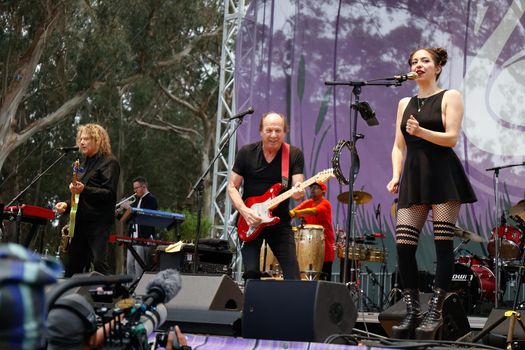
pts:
[145, 200]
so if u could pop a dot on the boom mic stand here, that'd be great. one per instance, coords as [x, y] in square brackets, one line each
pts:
[21, 193]
[369, 116]
[198, 188]
[498, 224]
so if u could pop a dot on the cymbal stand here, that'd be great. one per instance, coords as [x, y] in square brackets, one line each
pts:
[383, 270]
[513, 315]
[463, 242]
[497, 239]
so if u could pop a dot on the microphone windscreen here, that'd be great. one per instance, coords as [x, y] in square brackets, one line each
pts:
[168, 282]
[412, 75]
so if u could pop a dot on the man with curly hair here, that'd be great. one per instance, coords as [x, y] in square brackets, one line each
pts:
[97, 190]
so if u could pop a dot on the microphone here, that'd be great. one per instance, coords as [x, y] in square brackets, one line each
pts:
[162, 288]
[404, 77]
[378, 211]
[242, 114]
[67, 149]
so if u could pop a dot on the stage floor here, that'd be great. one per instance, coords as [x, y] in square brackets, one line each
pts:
[476, 323]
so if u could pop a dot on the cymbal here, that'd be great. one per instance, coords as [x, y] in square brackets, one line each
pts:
[464, 234]
[518, 210]
[360, 197]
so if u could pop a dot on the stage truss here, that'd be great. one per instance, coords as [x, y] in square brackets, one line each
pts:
[222, 213]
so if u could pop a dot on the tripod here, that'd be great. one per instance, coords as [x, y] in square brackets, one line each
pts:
[513, 315]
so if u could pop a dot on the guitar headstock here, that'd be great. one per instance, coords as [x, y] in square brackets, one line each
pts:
[324, 175]
[76, 170]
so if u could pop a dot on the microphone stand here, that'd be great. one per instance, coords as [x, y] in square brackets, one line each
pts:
[356, 91]
[198, 188]
[21, 193]
[498, 225]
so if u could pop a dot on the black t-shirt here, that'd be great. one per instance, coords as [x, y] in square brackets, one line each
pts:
[259, 175]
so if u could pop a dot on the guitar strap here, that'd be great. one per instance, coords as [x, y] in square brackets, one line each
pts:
[285, 164]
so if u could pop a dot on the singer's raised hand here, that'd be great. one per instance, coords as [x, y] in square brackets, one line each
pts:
[412, 126]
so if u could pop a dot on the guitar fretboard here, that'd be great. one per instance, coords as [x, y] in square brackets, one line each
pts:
[285, 195]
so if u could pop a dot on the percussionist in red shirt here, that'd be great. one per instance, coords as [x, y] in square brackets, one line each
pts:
[318, 211]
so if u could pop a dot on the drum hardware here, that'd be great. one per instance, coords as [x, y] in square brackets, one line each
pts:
[395, 293]
[513, 315]
[497, 210]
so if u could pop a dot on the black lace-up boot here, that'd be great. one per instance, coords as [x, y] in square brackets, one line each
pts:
[412, 319]
[433, 319]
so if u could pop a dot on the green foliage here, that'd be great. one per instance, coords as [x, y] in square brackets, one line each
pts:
[128, 49]
[188, 228]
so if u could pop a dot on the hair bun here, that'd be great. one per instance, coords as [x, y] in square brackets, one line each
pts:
[442, 55]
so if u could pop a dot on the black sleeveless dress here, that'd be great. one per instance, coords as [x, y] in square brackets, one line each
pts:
[432, 174]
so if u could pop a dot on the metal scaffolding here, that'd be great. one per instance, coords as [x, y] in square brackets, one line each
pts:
[222, 212]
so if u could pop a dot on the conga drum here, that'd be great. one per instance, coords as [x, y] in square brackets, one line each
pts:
[309, 244]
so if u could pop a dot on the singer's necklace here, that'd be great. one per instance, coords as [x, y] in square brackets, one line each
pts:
[420, 103]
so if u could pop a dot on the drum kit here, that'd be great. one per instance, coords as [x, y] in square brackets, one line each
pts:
[474, 278]
[361, 247]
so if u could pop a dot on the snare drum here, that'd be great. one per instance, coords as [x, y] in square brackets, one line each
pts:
[309, 244]
[510, 242]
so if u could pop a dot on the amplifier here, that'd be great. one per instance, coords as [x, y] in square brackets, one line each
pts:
[211, 260]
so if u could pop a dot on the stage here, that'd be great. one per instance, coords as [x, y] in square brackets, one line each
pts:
[360, 337]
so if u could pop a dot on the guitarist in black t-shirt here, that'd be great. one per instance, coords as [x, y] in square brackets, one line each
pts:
[258, 166]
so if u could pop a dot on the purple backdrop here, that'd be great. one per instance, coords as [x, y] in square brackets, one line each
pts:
[286, 50]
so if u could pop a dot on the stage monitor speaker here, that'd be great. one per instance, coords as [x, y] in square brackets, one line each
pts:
[203, 292]
[455, 321]
[206, 304]
[297, 310]
[498, 336]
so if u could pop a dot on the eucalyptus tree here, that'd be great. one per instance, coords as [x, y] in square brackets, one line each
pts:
[139, 67]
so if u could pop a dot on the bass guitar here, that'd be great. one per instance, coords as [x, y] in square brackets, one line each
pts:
[264, 204]
[69, 231]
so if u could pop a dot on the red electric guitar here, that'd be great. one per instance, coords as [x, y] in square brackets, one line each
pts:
[264, 204]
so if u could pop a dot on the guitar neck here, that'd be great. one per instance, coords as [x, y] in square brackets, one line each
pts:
[74, 181]
[285, 195]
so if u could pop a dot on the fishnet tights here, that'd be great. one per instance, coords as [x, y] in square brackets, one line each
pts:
[411, 220]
